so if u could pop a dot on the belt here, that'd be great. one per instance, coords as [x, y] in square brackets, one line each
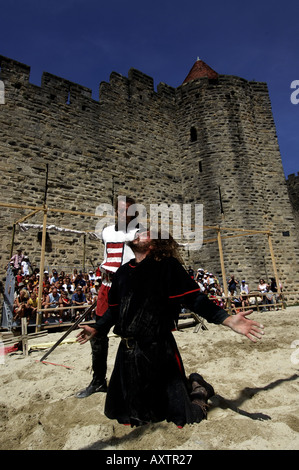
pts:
[129, 342]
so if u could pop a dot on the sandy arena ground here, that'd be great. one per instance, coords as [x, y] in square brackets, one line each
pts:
[256, 405]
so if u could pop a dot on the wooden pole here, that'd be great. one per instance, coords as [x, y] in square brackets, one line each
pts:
[41, 273]
[223, 268]
[63, 211]
[24, 336]
[74, 325]
[12, 241]
[84, 251]
[274, 263]
[275, 270]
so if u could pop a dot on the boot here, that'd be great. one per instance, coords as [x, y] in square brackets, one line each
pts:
[200, 387]
[93, 387]
[201, 392]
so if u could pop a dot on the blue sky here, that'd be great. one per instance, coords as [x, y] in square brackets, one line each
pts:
[85, 40]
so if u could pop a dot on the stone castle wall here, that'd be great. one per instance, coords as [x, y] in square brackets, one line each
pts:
[207, 141]
[293, 190]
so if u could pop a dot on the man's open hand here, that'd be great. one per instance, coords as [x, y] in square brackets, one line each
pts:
[244, 326]
[86, 334]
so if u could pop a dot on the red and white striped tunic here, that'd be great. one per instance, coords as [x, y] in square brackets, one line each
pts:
[117, 251]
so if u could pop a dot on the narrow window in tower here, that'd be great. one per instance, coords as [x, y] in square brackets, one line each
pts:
[68, 100]
[200, 167]
[193, 134]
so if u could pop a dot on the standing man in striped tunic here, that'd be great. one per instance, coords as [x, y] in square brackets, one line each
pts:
[116, 253]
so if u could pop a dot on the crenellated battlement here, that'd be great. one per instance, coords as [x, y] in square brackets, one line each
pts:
[52, 83]
[14, 71]
[137, 84]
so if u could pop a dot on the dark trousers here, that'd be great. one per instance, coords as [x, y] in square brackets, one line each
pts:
[99, 349]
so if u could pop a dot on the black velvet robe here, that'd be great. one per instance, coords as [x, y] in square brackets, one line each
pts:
[148, 382]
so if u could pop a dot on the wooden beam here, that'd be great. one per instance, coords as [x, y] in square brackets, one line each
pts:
[27, 216]
[12, 241]
[41, 271]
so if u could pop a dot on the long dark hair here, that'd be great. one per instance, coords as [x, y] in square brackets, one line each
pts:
[164, 246]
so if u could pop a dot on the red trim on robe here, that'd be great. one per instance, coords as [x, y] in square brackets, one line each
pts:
[184, 293]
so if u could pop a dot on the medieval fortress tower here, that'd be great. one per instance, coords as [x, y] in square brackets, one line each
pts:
[211, 141]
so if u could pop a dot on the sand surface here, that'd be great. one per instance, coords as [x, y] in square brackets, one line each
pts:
[256, 405]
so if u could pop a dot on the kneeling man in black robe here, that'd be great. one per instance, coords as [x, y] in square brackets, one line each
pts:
[148, 382]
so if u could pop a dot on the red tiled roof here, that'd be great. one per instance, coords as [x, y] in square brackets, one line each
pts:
[199, 70]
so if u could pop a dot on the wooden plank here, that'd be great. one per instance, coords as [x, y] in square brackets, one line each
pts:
[16, 339]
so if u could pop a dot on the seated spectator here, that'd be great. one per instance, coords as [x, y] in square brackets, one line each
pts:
[199, 274]
[29, 285]
[244, 299]
[54, 277]
[59, 285]
[45, 294]
[74, 275]
[64, 302]
[262, 288]
[52, 301]
[35, 279]
[21, 309]
[88, 287]
[19, 277]
[46, 278]
[32, 306]
[78, 299]
[80, 281]
[95, 288]
[70, 291]
[67, 284]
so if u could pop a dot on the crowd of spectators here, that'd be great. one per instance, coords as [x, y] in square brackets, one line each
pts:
[63, 294]
[240, 295]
